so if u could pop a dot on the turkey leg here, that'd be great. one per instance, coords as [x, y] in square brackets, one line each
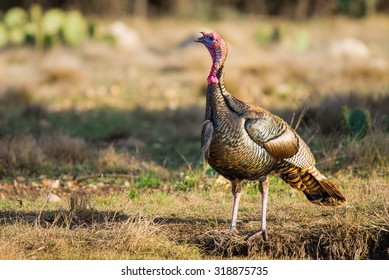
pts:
[264, 189]
[236, 191]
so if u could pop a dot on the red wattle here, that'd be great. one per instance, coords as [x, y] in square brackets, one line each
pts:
[212, 80]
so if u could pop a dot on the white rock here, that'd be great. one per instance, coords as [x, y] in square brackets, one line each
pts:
[349, 48]
[125, 36]
[54, 184]
[53, 198]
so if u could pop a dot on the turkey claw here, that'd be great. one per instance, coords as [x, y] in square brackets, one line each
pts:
[261, 233]
[234, 231]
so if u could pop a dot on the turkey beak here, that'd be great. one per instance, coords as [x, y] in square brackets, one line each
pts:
[199, 40]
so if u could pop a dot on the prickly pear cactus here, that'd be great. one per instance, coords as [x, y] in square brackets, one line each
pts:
[52, 22]
[16, 36]
[51, 25]
[35, 13]
[44, 29]
[357, 122]
[31, 29]
[15, 17]
[74, 29]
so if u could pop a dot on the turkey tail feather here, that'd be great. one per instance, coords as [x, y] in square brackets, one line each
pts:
[316, 187]
[325, 194]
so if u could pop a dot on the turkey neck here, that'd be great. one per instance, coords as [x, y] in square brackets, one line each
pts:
[217, 108]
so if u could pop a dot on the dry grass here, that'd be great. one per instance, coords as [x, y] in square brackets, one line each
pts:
[19, 152]
[132, 239]
[62, 147]
[193, 225]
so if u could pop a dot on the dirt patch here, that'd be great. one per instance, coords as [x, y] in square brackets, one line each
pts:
[358, 244]
[222, 244]
[20, 189]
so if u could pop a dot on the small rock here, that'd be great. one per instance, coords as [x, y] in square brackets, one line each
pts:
[53, 198]
[349, 48]
[71, 184]
[46, 182]
[54, 184]
[20, 179]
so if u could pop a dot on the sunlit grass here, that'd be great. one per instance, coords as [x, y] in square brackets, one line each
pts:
[194, 224]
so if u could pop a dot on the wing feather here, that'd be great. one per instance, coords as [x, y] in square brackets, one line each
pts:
[276, 136]
[267, 130]
[284, 146]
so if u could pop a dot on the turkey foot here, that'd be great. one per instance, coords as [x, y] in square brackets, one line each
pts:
[261, 233]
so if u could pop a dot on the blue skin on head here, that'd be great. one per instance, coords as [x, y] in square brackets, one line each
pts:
[209, 39]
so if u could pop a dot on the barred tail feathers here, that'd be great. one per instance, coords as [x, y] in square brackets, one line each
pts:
[316, 187]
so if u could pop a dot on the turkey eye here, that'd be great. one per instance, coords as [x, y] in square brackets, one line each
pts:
[209, 39]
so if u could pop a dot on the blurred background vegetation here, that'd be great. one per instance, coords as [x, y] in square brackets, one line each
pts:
[212, 9]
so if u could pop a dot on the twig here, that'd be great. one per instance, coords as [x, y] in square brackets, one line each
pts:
[187, 163]
[305, 109]
[292, 120]
[313, 135]
[328, 159]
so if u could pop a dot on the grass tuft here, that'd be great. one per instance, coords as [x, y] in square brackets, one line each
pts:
[20, 152]
[64, 148]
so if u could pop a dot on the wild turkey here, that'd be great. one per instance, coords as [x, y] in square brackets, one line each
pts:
[243, 141]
